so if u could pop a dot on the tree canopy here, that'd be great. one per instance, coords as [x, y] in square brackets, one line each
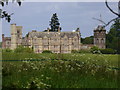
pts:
[87, 40]
[113, 37]
[54, 23]
[3, 13]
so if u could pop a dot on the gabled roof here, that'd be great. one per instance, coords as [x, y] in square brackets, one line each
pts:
[53, 34]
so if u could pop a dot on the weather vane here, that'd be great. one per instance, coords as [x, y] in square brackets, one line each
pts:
[117, 18]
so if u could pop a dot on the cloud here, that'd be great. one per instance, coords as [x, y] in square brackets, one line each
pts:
[36, 15]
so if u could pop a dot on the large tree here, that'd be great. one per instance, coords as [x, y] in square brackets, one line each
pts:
[114, 12]
[54, 23]
[3, 13]
[113, 37]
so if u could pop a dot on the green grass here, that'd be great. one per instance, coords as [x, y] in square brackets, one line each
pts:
[60, 70]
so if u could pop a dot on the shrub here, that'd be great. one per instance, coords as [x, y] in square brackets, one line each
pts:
[84, 51]
[95, 50]
[21, 49]
[7, 50]
[28, 50]
[47, 51]
[74, 51]
[108, 51]
[80, 51]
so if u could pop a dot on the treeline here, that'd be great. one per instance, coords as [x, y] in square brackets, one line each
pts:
[87, 40]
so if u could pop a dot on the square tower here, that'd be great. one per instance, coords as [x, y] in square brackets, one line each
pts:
[100, 37]
[16, 36]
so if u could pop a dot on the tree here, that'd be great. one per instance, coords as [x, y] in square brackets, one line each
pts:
[3, 13]
[117, 14]
[22, 49]
[95, 50]
[87, 40]
[113, 37]
[112, 20]
[54, 23]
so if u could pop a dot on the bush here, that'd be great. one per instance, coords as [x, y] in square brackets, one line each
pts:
[84, 51]
[7, 50]
[95, 50]
[47, 51]
[21, 49]
[28, 50]
[80, 51]
[108, 51]
[74, 51]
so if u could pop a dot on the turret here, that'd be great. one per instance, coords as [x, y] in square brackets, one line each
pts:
[100, 37]
[13, 36]
[16, 36]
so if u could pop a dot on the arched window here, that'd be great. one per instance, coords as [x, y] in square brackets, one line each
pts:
[97, 40]
[102, 41]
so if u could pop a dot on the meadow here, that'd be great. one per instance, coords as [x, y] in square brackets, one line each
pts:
[30, 70]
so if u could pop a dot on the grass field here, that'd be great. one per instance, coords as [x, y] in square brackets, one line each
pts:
[60, 70]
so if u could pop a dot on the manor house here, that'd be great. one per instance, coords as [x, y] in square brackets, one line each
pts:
[57, 42]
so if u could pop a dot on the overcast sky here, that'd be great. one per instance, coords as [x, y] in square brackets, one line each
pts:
[36, 16]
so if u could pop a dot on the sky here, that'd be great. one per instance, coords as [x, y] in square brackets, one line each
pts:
[36, 16]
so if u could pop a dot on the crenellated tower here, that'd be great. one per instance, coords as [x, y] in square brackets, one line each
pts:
[100, 37]
[16, 36]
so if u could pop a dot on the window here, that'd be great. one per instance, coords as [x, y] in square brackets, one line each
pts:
[56, 46]
[55, 39]
[45, 46]
[35, 40]
[18, 36]
[7, 43]
[45, 41]
[97, 40]
[102, 41]
[18, 31]
[35, 46]
[75, 46]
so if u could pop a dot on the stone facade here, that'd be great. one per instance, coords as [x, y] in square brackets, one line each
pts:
[57, 42]
[16, 36]
[100, 37]
[6, 42]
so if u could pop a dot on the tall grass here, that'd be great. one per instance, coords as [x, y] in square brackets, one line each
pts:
[60, 71]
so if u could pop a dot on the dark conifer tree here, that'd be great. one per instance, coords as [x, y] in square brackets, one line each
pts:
[54, 23]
